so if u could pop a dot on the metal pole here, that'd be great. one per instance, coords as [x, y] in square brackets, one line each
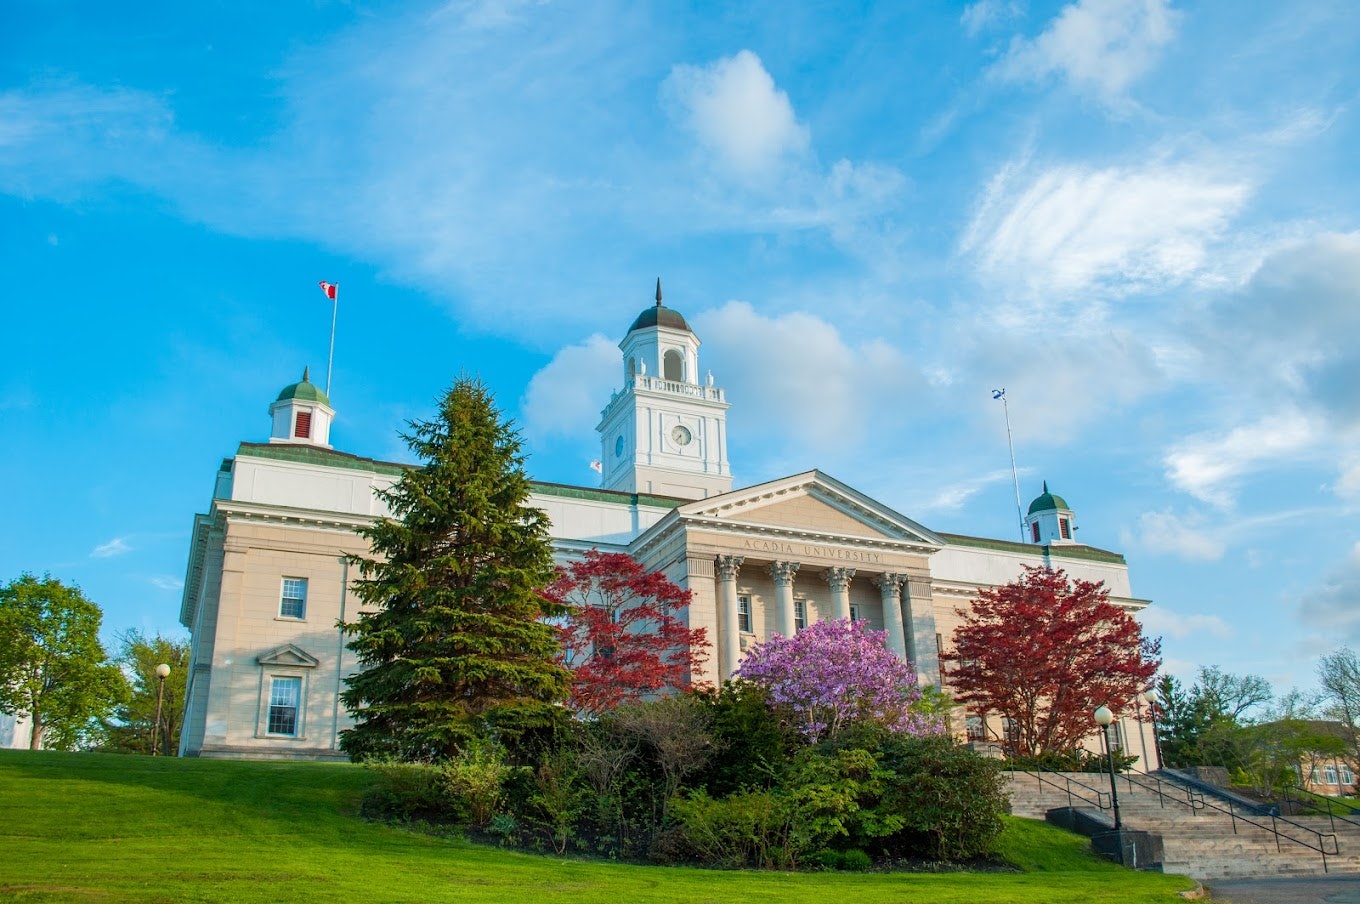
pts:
[330, 359]
[1010, 445]
[1142, 731]
[1114, 792]
[156, 730]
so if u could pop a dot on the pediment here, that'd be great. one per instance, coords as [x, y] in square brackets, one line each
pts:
[811, 502]
[288, 655]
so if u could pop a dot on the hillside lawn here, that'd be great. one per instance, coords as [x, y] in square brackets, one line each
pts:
[96, 827]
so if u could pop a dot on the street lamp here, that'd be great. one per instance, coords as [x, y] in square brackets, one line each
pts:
[1150, 695]
[1104, 718]
[162, 672]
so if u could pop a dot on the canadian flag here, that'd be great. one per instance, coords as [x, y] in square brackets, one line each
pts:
[330, 289]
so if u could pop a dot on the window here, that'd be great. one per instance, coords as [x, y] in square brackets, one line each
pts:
[939, 646]
[1034, 530]
[854, 613]
[285, 694]
[799, 614]
[293, 602]
[1347, 777]
[976, 728]
[673, 366]
[1065, 528]
[744, 613]
[1314, 776]
[303, 429]
[1329, 773]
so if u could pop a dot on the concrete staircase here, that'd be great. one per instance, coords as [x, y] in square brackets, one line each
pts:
[1203, 843]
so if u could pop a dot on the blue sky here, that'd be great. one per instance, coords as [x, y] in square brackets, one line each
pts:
[1141, 218]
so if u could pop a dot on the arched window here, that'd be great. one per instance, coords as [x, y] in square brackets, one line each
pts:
[674, 366]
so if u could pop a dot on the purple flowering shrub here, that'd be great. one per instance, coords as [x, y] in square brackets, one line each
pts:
[834, 673]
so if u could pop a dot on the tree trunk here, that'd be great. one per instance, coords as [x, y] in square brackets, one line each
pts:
[35, 736]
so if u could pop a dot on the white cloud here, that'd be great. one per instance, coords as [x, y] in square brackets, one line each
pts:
[1100, 47]
[797, 378]
[1335, 606]
[953, 497]
[1207, 465]
[735, 110]
[985, 14]
[115, 547]
[565, 396]
[166, 582]
[1158, 620]
[1068, 229]
[1176, 534]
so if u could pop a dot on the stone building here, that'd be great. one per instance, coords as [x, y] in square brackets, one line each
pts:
[267, 579]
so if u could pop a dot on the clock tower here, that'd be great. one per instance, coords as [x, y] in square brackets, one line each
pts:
[665, 433]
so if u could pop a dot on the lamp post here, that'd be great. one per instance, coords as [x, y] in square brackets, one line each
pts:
[1103, 718]
[1150, 695]
[162, 672]
[1142, 733]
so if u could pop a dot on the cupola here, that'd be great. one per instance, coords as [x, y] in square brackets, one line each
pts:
[1050, 520]
[302, 414]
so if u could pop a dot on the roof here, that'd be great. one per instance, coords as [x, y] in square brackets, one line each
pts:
[660, 315]
[303, 391]
[1049, 502]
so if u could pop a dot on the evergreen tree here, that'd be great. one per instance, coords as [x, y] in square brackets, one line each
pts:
[132, 729]
[456, 643]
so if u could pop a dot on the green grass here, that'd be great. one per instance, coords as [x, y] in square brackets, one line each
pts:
[90, 827]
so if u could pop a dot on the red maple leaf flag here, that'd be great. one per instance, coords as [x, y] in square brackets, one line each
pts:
[330, 289]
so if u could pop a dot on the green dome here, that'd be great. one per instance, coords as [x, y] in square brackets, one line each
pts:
[1049, 502]
[303, 391]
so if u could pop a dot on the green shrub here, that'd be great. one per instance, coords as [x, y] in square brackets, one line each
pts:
[746, 829]
[476, 776]
[1079, 760]
[411, 792]
[951, 799]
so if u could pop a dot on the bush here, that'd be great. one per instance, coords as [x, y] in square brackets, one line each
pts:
[951, 799]
[755, 742]
[411, 792]
[476, 776]
[1079, 760]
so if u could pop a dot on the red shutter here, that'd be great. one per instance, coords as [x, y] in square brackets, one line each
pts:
[304, 425]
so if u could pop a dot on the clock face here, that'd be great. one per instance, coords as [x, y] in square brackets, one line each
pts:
[681, 435]
[618, 446]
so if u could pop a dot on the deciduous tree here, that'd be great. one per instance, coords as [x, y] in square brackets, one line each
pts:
[457, 640]
[1044, 652]
[835, 672]
[623, 638]
[53, 669]
[133, 725]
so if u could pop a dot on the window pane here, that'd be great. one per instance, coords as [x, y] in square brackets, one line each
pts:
[744, 614]
[293, 602]
[799, 615]
[284, 694]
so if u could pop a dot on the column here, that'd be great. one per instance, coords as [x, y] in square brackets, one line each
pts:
[783, 572]
[838, 577]
[890, 585]
[729, 631]
[922, 648]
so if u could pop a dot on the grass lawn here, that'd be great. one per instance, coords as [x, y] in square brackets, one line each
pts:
[92, 827]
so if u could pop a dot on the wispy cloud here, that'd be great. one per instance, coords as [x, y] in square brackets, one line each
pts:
[954, 496]
[115, 547]
[1208, 465]
[1332, 606]
[166, 582]
[1159, 620]
[1098, 47]
[566, 395]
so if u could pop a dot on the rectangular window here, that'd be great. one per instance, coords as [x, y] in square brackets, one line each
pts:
[1034, 530]
[293, 602]
[1314, 776]
[284, 696]
[939, 648]
[1347, 777]
[1065, 527]
[303, 430]
[799, 615]
[1330, 775]
[976, 728]
[854, 613]
[744, 614]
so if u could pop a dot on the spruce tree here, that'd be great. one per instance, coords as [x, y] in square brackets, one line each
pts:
[456, 644]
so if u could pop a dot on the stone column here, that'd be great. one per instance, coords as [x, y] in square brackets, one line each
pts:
[838, 577]
[783, 572]
[922, 648]
[890, 585]
[729, 631]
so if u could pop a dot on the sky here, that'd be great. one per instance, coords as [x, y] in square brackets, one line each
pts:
[1141, 218]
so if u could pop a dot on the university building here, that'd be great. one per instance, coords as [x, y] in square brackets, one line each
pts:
[268, 581]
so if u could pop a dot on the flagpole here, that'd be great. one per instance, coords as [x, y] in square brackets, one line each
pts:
[330, 358]
[1010, 444]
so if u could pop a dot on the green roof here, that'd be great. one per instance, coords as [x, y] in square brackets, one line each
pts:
[1056, 551]
[1049, 502]
[303, 391]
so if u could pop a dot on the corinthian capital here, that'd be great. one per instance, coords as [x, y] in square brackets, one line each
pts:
[889, 581]
[783, 572]
[728, 566]
[838, 576]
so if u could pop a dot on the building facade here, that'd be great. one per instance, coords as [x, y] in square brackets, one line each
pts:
[268, 579]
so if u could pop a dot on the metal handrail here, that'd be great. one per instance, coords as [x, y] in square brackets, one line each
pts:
[1196, 801]
[1102, 797]
[1327, 802]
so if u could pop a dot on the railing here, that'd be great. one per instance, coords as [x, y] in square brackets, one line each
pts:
[1182, 793]
[1302, 797]
[1196, 801]
[1102, 798]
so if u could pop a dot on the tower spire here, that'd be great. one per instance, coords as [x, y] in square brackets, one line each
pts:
[658, 291]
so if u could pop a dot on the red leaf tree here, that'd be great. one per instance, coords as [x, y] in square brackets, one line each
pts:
[1044, 652]
[623, 639]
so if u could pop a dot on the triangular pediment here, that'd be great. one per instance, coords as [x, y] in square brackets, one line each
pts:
[288, 655]
[811, 502]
